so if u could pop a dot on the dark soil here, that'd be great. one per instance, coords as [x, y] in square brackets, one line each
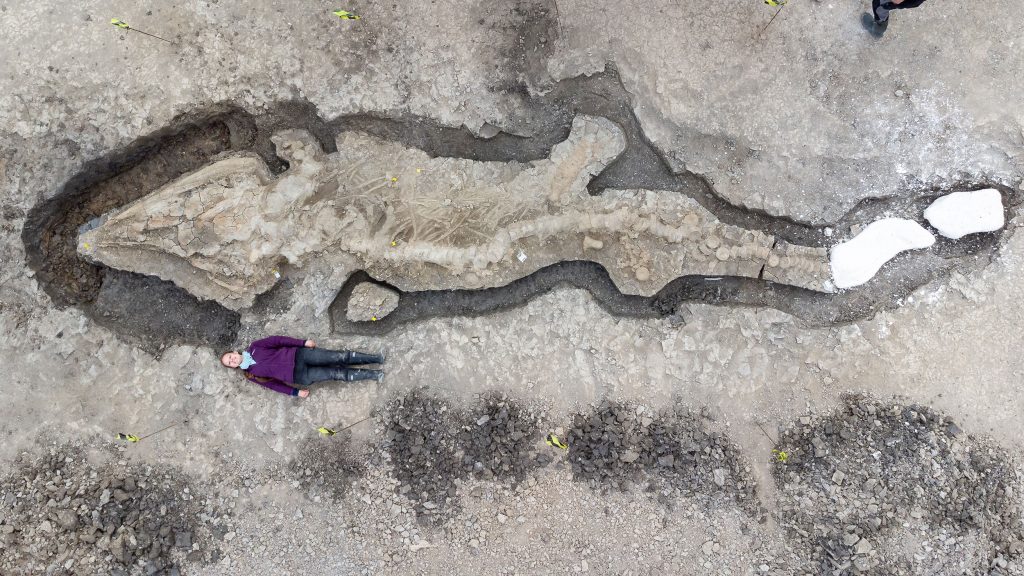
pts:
[908, 272]
[863, 481]
[421, 438]
[432, 444]
[619, 446]
[498, 440]
[61, 515]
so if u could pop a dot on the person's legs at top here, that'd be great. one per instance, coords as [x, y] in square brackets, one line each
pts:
[878, 20]
[880, 13]
[324, 357]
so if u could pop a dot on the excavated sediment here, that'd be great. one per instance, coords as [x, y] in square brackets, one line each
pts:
[883, 487]
[195, 139]
[58, 509]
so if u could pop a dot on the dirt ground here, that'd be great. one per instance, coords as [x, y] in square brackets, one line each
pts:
[736, 431]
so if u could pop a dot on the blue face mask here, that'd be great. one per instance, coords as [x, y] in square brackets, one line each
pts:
[246, 360]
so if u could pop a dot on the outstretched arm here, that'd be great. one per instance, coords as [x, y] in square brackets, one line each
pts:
[273, 384]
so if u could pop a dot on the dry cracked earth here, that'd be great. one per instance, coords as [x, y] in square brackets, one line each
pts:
[594, 242]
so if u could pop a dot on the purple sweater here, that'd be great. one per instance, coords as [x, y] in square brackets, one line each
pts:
[275, 363]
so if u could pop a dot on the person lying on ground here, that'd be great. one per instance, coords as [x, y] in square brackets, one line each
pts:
[280, 362]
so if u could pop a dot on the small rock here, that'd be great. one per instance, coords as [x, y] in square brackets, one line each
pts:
[643, 274]
[838, 477]
[719, 475]
[183, 540]
[592, 244]
[629, 456]
[370, 301]
[708, 548]
[488, 131]
[67, 520]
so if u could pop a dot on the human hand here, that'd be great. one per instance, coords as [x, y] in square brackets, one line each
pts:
[310, 344]
[303, 393]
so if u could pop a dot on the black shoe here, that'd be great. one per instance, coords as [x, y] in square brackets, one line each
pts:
[874, 27]
[353, 374]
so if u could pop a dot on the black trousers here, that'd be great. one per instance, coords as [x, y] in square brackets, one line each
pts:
[880, 8]
[319, 365]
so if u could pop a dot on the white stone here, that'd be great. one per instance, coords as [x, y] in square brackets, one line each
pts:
[961, 213]
[857, 260]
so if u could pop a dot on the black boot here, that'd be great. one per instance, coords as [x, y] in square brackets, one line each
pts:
[875, 27]
[353, 374]
[358, 358]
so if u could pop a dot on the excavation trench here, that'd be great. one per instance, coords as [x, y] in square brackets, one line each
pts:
[156, 313]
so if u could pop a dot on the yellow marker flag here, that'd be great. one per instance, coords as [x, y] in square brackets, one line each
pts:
[127, 437]
[553, 441]
[326, 431]
[119, 23]
[346, 15]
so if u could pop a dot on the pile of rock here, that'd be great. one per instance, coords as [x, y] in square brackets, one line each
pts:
[421, 439]
[882, 487]
[619, 445]
[61, 515]
[329, 464]
[498, 440]
[432, 444]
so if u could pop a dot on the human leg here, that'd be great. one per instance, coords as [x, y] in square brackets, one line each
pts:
[337, 373]
[880, 13]
[324, 357]
[876, 22]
